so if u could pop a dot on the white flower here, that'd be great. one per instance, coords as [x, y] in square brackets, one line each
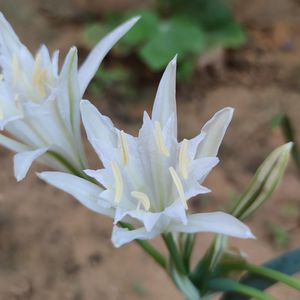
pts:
[39, 105]
[149, 179]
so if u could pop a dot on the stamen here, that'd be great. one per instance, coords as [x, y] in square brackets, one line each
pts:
[142, 198]
[179, 186]
[39, 76]
[1, 76]
[160, 140]
[183, 159]
[124, 148]
[15, 69]
[119, 182]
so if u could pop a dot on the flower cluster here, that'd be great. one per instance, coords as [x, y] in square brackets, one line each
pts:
[145, 181]
[39, 105]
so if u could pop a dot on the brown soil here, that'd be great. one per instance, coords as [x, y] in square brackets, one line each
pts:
[53, 248]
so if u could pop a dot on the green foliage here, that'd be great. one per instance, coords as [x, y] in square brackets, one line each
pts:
[287, 264]
[279, 235]
[176, 36]
[186, 28]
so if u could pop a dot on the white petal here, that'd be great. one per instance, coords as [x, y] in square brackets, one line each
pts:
[7, 34]
[202, 166]
[85, 192]
[176, 211]
[12, 144]
[165, 101]
[68, 92]
[121, 236]
[23, 161]
[148, 219]
[214, 131]
[216, 222]
[100, 130]
[90, 66]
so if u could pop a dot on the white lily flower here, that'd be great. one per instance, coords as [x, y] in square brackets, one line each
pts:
[149, 179]
[39, 105]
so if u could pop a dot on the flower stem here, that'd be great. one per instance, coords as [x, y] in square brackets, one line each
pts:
[147, 247]
[229, 285]
[174, 253]
[269, 273]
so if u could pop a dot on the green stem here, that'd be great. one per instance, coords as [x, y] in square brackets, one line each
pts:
[70, 167]
[174, 253]
[186, 245]
[229, 285]
[147, 247]
[269, 273]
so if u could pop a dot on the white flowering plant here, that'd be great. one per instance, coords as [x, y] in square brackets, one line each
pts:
[146, 181]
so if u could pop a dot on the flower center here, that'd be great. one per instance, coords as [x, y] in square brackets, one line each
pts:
[160, 140]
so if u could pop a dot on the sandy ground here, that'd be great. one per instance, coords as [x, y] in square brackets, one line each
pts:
[53, 248]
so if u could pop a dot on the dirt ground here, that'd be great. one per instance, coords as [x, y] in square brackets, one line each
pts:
[53, 248]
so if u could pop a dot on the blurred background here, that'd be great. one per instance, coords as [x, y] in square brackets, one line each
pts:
[231, 53]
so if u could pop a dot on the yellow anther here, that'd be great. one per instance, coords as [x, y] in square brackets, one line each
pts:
[39, 76]
[124, 148]
[15, 69]
[183, 159]
[160, 140]
[142, 198]
[118, 181]
[1, 77]
[179, 186]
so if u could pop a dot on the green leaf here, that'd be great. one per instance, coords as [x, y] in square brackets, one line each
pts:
[280, 236]
[93, 32]
[244, 291]
[147, 27]
[288, 263]
[230, 35]
[177, 36]
[186, 68]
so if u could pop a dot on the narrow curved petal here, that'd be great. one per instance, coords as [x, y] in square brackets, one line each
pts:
[100, 130]
[216, 222]
[85, 192]
[23, 161]
[90, 66]
[165, 101]
[121, 236]
[68, 92]
[214, 131]
[7, 34]
[12, 144]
